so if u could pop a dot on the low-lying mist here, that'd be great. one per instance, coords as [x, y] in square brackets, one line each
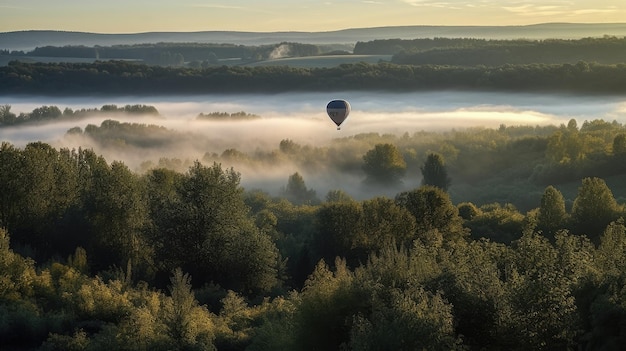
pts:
[302, 119]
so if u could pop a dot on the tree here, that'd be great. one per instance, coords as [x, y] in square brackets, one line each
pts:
[384, 164]
[497, 222]
[201, 224]
[619, 144]
[338, 231]
[385, 223]
[468, 210]
[338, 196]
[326, 328]
[118, 216]
[552, 213]
[543, 311]
[11, 186]
[594, 208]
[434, 172]
[434, 213]
[611, 254]
[297, 193]
[6, 116]
[188, 324]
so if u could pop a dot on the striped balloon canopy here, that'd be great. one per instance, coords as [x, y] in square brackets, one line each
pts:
[338, 111]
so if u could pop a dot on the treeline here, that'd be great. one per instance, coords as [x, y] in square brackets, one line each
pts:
[116, 77]
[225, 116]
[472, 52]
[94, 256]
[510, 164]
[173, 53]
[53, 113]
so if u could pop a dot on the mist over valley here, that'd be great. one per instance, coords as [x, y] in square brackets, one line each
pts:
[188, 190]
[300, 118]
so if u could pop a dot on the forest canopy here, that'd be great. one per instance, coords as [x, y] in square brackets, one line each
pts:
[122, 77]
[95, 255]
[490, 239]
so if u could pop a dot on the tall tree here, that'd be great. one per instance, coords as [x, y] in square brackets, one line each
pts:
[202, 225]
[552, 213]
[619, 144]
[384, 223]
[384, 164]
[434, 172]
[594, 208]
[118, 215]
[338, 231]
[297, 192]
[436, 217]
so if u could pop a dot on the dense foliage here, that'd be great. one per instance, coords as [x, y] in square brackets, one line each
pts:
[96, 256]
[518, 243]
[471, 51]
[173, 53]
[123, 77]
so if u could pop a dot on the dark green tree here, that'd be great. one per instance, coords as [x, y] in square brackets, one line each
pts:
[468, 210]
[338, 196]
[118, 217]
[436, 217]
[338, 230]
[297, 192]
[11, 187]
[434, 172]
[619, 144]
[593, 209]
[201, 224]
[552, 214]
[543, 312]
[384, 164]
[386, 223]
[6, 116]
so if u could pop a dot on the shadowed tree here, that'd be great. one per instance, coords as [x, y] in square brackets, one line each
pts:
[297, 193]
[434, 172]
[436, 217]
[552, 214]
[201, 224]
[338, 230]
[593, 209]
[384, 164]
[619, 144]
[385, 223]
[338, 196]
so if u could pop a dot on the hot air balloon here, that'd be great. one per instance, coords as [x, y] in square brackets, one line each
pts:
[338, 111]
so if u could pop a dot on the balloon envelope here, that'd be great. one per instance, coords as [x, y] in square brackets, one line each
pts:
[338, 111]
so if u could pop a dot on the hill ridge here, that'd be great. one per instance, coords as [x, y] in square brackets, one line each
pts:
[29, 39]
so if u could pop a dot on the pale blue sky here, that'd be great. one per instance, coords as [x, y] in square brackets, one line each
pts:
[132, 16]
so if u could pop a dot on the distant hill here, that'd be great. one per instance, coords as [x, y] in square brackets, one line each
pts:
[28, 40]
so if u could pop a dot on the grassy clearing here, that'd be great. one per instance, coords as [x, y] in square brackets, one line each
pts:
[321, 61]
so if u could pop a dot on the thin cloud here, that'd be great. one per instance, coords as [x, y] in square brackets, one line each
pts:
[534, 10]
[230, 7]
[594, 11]
[438, 4]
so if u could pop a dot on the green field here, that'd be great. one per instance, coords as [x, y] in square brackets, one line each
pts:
[321, 61]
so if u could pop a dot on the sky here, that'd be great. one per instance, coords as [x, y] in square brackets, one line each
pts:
[137, 16]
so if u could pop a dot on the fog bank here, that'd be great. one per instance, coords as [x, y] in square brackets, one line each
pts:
[301, 117]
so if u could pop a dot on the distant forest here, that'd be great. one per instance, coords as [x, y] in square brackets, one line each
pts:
[121, 77]
[473, 52]
[591, 65]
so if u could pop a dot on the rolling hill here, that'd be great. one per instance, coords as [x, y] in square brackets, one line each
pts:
[28, 40]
